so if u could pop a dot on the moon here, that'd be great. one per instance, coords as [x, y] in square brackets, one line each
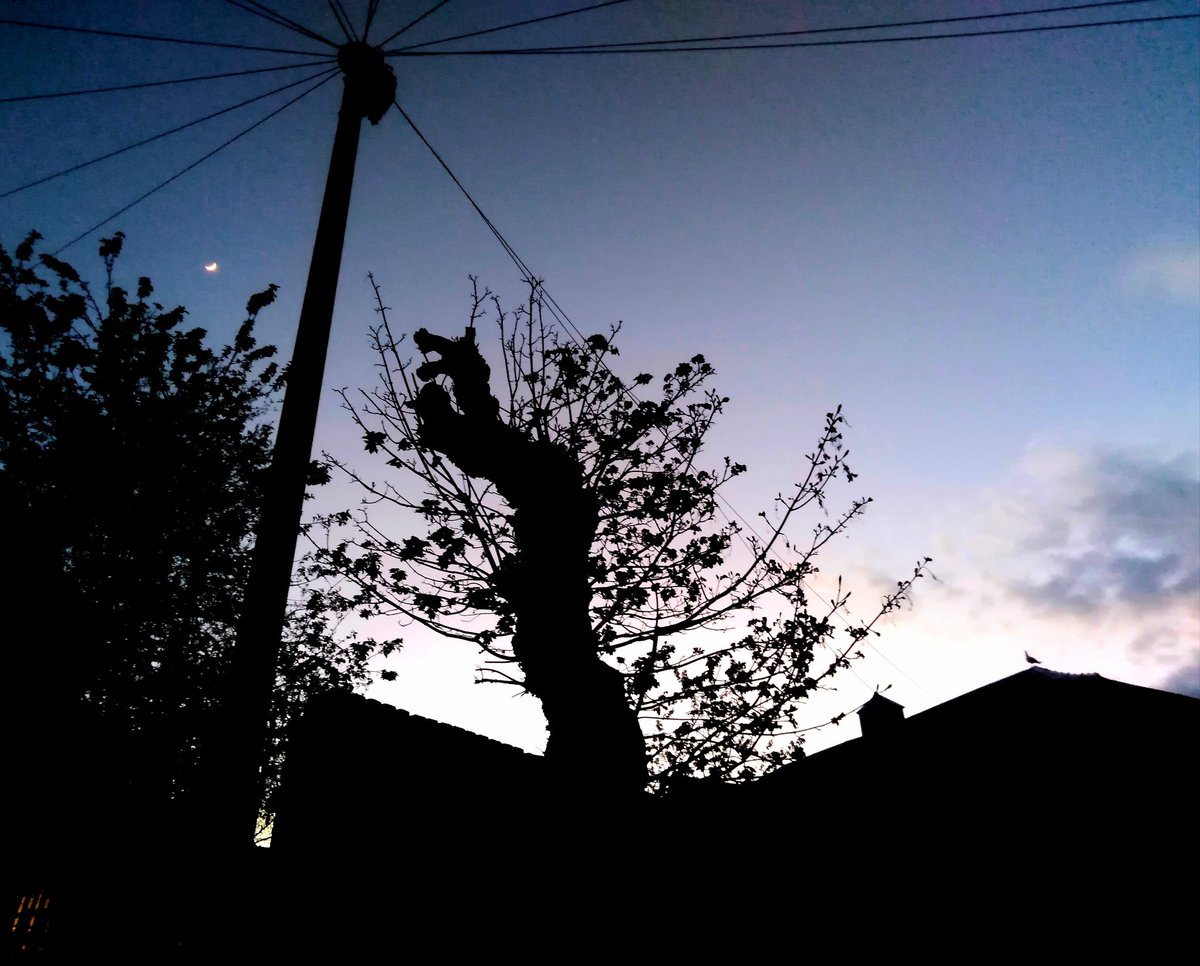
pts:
[211, 267]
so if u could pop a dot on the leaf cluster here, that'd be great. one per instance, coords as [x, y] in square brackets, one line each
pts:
[132, 456]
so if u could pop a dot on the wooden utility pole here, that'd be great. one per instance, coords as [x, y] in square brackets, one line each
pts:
[232, 813]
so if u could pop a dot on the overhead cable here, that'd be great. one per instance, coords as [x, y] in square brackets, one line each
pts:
[262, 10]
[162, 134]
[510, 26]
[156, 37]
[164, 83]
[372, 7]
[413, 23]
[858, 41]
[339, 14]
[199, 161]
[810, 31]
[509, 250]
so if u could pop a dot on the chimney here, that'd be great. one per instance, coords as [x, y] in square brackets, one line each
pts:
[880, 717]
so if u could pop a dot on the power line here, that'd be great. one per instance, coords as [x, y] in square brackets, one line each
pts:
[164, 83]
[199, 161]
[372, 9]
[163, 134]
[339, 14]
[266, 15]
[156, 37]
[509, 26]
[346, 17]
[810, 31]
[262, 10]
[569, 51]
[413, 23]
[509, 250]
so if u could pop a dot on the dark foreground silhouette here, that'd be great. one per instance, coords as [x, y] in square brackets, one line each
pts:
[397, 835]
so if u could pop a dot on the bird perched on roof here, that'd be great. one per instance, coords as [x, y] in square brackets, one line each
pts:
[1030, 659]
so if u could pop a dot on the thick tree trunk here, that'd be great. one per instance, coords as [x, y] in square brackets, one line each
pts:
[595, 742]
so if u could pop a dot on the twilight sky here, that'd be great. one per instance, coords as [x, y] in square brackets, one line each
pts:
[986, 249]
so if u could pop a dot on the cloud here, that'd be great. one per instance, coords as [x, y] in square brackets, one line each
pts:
[1107, 529]
[1089, 558]
[1184, 680]
[1170, 272]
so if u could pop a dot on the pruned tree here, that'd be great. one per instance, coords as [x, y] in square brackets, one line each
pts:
[131, 458]
[568, 528]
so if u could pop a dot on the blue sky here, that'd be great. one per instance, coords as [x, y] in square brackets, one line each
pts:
[987, 250]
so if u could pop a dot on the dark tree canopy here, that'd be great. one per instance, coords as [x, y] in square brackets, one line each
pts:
[131, 457]
[568, 527]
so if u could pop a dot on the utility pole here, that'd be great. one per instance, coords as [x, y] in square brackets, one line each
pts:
[231, 814]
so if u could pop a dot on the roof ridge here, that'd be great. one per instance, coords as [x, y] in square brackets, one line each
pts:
[1062, 675]
[396, 709]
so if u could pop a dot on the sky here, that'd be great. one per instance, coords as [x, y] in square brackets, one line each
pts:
[987, 250]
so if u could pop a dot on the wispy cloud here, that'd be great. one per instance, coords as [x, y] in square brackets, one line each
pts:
[1088, 558]
[1186, 680]
[1110, 528]
[1170, 272]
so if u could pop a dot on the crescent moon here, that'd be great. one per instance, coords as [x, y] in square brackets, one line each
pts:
[211, 267]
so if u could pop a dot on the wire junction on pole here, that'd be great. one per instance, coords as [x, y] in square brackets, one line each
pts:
[370, 81]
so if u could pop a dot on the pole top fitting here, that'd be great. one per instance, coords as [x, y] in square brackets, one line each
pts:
[370, 81]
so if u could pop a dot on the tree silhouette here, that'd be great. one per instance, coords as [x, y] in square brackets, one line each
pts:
[570, 531]
[131, 458]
